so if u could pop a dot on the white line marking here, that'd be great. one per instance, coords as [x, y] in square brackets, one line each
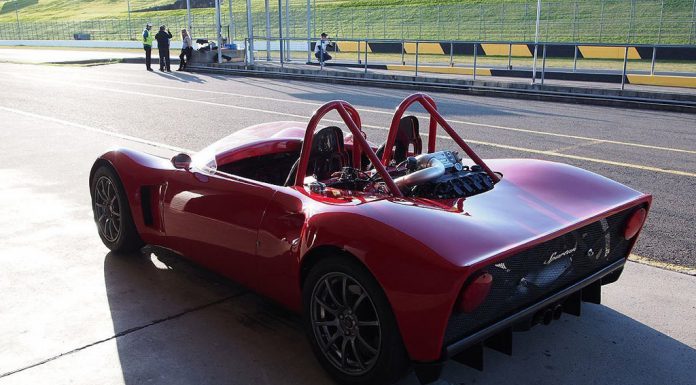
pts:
[521, 149]
[390, 113]
[97, 130]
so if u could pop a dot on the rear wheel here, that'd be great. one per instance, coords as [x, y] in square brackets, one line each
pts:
[350, 324]
[112, 213]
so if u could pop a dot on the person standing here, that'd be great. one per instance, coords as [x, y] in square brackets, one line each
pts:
[320, 48]
[162, 38]
[186, 49]
[147, 45]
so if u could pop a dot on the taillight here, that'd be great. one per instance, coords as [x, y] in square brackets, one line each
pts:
[473, 294]
[635, 223]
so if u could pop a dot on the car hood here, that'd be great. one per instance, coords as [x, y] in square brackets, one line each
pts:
[535, 200]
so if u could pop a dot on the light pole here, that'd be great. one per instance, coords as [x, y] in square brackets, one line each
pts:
[250, 33]
[188, 14]
[19, 33]
[536, 41]
[287, 29]
[280, 30]
[130, 26]
[268, 32]
[309, 32]
[218, 31]
[230, 27]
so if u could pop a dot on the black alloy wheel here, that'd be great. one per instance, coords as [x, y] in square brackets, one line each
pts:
[345, 323]
[350, 324]
[112, 213]
[107, 209]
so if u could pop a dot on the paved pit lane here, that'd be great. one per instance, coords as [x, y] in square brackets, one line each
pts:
[73, 313]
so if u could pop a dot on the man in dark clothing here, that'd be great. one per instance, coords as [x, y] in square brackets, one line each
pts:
[162, 38]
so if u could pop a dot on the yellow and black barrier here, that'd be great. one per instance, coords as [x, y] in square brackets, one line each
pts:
[518, 50]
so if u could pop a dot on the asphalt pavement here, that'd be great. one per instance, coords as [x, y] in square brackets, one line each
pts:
[74, 313]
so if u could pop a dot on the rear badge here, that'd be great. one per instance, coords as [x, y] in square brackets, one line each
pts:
[556, 255]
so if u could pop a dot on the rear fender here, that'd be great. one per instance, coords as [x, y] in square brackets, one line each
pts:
[420, 286]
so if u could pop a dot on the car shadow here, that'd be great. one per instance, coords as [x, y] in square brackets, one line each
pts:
[178, 323]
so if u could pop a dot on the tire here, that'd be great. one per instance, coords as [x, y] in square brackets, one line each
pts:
[112, 213]
[359, 343]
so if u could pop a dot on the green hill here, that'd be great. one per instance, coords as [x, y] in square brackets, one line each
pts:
[617, 21]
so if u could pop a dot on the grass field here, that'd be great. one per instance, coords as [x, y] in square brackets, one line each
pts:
[615, 21]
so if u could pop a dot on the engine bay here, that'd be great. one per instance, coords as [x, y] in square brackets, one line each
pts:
[438, 175]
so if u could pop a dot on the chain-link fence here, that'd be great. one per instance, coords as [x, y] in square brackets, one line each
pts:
[596, 21]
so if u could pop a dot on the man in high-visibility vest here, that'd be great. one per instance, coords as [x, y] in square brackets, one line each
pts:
[148, 37]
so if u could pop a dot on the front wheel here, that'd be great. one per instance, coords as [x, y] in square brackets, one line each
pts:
[350, 324]
[112, 213]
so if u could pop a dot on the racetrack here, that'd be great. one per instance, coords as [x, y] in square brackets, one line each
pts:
[74, 313]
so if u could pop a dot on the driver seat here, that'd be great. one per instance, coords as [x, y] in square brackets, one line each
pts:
[327, 156]
[406, 135]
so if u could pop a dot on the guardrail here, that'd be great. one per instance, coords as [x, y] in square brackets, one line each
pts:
[390, 49]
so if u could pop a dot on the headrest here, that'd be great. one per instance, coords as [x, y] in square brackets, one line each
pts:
[327, 140]
[406, 135]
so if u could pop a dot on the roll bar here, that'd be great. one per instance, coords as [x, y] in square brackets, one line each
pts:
[435, 118]
[351, 118]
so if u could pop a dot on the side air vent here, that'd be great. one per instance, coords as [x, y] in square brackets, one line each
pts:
[146, 203]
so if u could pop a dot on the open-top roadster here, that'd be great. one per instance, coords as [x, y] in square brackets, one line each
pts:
[397, 255]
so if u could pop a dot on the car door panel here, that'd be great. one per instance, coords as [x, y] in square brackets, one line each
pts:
[214, 220]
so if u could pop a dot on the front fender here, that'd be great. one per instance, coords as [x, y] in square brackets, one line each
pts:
[137, 170]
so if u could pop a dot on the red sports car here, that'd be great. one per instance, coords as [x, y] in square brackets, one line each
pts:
[397, 257]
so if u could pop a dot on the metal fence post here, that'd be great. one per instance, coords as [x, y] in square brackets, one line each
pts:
[403, 50]
[416, 58]
[575, 58]
[366, 50]
[359, 60]
[543, 64]
[623, 74]
[451, 54]
[652, 63]
[510, 56]
[475, 55]
[246, 57]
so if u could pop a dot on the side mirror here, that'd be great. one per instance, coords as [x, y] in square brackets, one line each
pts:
[181, 161]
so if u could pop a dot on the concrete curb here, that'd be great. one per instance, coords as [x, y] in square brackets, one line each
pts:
[565, 94]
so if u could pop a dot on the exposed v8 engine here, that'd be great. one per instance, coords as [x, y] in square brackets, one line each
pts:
[441, 175]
